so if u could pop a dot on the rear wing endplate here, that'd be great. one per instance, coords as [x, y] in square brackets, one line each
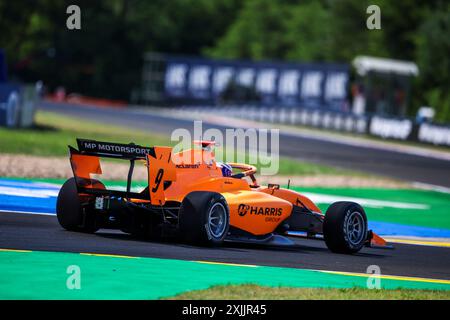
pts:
[86, 161]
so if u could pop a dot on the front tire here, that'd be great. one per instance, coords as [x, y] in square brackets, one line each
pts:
[204, 218]
[69, 211]
[345, 227]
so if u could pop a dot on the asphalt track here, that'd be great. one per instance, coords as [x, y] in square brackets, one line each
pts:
[388, 163]
[42, 232]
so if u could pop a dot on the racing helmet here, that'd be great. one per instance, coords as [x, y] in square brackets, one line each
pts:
[227, 170]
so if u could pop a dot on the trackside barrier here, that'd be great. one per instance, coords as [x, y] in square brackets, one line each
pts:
[380, 126]
[174, 80]
[435, 134]
[390, 128]
[318, 118]
[17, 105]
[16, 100]
[9, 104]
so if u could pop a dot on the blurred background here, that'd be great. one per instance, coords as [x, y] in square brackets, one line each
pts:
[127, 49]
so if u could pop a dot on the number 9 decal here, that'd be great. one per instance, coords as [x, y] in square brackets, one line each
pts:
[160, 169]
[158, 180]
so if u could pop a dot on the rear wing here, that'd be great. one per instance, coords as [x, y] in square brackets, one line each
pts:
[86, 161]
[128, 151]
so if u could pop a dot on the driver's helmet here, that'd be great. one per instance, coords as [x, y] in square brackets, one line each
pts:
[227, 170]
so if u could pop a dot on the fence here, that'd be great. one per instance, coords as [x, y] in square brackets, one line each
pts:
[404, 129]
[187, 80]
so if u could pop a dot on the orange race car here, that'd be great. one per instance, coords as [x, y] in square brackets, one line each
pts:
[200, 201]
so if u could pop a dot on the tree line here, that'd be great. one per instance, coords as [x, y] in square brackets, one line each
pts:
[104, 58]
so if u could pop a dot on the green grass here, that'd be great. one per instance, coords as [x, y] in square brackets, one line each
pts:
[436, 216]
[290, 166]
[119, 277]
[255, 292]
[53, 132]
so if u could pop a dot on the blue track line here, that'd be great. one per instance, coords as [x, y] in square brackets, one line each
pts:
[38, 198]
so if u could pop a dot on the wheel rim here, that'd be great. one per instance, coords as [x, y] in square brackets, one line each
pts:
[217, 220]
[355, 228]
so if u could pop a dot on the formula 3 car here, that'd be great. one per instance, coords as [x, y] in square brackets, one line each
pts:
[192, 200]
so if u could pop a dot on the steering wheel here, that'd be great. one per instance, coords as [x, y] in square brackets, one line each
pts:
[246, 171]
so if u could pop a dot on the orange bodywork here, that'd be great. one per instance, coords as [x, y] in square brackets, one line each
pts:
[291, 196]
[377, 240]
[256, 209]
[253, 209]
[83, 166]
[161, 169]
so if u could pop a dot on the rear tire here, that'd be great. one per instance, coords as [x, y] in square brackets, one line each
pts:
[69, 211]
[345, 227]
[204, 218]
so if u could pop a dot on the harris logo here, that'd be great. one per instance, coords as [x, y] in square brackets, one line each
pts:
[243, 209]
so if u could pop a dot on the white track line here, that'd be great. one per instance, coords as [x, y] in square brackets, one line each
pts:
[299, 132]
[28, 212]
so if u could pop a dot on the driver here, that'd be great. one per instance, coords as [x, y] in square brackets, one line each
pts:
[227, 170]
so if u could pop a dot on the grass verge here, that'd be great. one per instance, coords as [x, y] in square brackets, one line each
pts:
[256, 292]
[130, 277]
[53, 132]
